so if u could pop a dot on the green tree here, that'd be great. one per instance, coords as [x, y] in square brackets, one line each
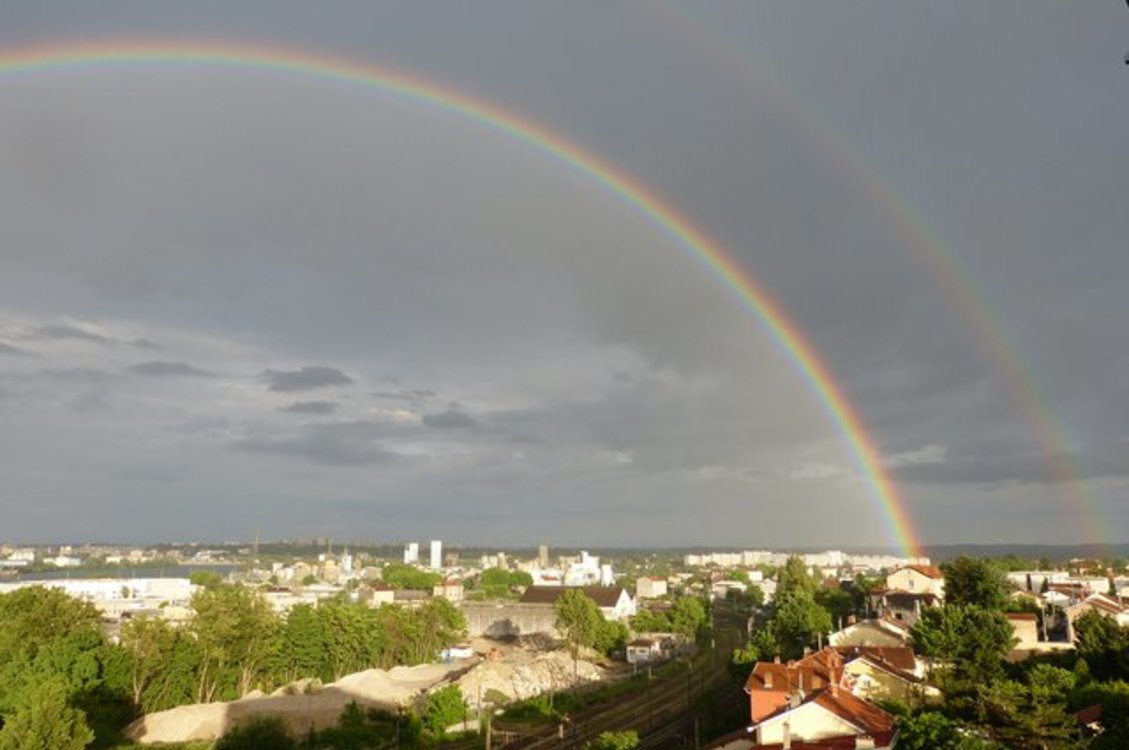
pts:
[259, 733]
[234, 627]
[628, 740]
[46, 720]
[610, 637]
[861, 589]
[798, 622]
[966, 643]
[350, 635]
[976, 582]
[403, 576]
[754, 595]
[1032, 716]
[208, 579]
[366, 729]
[1113, 697]
[934, 731]
[578, 620]
[440, 624]
[442, 709]
[33, 616]
[762, 646]
[648, 621]
[838, 603]
[688, 616]
[303, 644]
[794, 578]
[1103, 644]
[150, 642]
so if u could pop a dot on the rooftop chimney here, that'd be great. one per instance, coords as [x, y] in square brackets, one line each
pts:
[776, 659]
[786, 742]
[864, 741]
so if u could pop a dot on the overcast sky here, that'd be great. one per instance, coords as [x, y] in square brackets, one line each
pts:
[235, 301]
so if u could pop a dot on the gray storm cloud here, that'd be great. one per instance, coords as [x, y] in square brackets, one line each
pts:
[175, 369]
[305, 379]
[504, 345]
[311, 407]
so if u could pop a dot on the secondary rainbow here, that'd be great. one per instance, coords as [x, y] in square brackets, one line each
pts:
[966, 299]
[739, 282]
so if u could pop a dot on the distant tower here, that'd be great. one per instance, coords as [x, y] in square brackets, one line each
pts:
[543, 556]
[255, 548]
[436, 554]
[411, 553]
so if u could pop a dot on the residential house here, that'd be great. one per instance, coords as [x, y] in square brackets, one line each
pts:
[450, 589]
[771, 685]
[644, 651]
[649, 587]
[830, 717]
[875, 673]
[614, 601]
[1103, 604]
[1025, 627]
[376, 593]
[918, 579]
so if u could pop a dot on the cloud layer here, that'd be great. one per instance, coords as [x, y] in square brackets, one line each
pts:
[317, 308]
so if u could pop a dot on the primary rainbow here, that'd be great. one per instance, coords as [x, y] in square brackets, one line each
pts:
[747, 290]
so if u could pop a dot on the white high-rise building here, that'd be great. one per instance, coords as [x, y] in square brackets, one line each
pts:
[436, 554]
[411, 553]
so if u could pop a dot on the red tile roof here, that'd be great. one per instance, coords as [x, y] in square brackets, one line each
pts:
[814, 671]
[899, 657]
[1106, 603]
[1022, 616]
[867, 716]
[1089, 715]
[929, 571]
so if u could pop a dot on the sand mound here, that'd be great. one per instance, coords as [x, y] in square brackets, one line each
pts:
[300, 705]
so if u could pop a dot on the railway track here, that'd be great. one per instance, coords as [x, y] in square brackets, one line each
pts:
[662, 713]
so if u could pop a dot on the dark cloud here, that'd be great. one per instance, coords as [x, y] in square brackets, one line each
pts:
[337, 444]
[59, 331]
[907, 218]
[414, 395]
[76, 375]
[994, 468]
[174, 369]
[305, 379]
[452, 418]
[311, 407]
[13, 351]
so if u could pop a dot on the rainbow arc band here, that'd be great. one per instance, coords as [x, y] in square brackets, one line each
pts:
[741, 284]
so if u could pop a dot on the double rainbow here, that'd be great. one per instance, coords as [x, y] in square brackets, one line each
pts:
[752, 296]
[1055, 450]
